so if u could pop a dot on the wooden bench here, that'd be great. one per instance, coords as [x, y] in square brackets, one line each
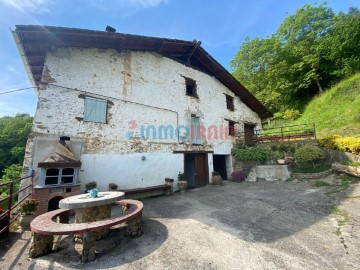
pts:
[166, 189]
[45, 226]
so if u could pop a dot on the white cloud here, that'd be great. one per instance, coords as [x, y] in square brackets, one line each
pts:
[29, 6]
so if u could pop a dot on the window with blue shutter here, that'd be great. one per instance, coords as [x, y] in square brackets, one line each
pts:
[95, 110]
[195, 130]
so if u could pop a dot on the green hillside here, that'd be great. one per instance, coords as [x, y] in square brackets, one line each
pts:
[337, 110]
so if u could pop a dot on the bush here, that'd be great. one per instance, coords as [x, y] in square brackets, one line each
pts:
[29, 206]
[348, 144]
[238, 176]
[252, 153]
[345, 144]
[329, 141]
[309, 153]
[291, 114]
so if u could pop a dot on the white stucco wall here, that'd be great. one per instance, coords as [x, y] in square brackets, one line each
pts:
[157, 85]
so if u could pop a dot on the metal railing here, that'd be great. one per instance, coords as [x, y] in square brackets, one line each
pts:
[11, 213]
[286, 133]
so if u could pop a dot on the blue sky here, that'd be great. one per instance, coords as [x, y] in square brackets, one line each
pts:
[220, 25]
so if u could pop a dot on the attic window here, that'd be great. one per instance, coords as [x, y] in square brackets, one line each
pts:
[95, 110]
[229, 103]
[191, 88]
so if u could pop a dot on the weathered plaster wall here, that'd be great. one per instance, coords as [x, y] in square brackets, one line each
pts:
[157, 85]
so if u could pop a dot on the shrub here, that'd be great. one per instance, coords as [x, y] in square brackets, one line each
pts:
[28, 207]
[348, 144]
[345, 144]
[238, 176]
[291, 114]
[329, 141]
[252, 153]
[309, 153]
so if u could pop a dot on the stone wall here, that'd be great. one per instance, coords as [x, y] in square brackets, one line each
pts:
[312, 175]
[142, 89]
[269, 173]
[339, 156]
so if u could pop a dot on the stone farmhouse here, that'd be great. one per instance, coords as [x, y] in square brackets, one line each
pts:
[128, 109]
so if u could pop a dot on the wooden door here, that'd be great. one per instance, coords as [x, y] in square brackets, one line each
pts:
[201, 170]
[249, 134]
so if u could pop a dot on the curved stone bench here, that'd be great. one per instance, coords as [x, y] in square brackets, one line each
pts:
[45, 226]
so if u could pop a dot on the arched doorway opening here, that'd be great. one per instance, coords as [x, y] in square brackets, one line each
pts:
[54, 203]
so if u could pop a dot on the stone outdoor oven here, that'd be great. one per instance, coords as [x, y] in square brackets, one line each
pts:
[59, 177]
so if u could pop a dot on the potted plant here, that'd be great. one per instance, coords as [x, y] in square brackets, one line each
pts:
[91, 185]
[216, 178]
[27, 209]
[182, 182]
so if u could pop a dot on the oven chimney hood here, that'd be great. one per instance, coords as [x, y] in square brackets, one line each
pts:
[62, 157]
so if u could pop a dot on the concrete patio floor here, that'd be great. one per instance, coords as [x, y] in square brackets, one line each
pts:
[263, 225]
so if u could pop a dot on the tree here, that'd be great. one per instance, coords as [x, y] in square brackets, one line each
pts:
[343, 44]
[309, 50]
[14, 132]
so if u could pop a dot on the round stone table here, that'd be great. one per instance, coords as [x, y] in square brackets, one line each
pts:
[89, 209]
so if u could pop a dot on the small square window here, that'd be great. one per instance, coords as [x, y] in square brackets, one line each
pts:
[191, 88]
[229, 103]
[95, 110]
[231, 128]
[55, 176]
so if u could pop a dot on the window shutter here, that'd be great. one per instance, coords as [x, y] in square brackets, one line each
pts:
[95, 110]
[195, 125]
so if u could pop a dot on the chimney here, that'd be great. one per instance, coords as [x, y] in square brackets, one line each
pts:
[110, 29]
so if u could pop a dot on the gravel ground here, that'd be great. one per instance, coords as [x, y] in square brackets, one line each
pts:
[263, 225]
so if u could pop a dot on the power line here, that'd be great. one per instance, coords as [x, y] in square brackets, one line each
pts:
[16, 90]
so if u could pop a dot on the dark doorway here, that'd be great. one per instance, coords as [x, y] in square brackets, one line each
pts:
[54, 203]
[220, 165]
[196, 170]
[249, 134]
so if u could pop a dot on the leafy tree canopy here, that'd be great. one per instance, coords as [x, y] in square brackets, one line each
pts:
[14, 132]
[309, 51]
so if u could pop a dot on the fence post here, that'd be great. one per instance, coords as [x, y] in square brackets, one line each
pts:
[8, 218]
[32, 184]
[314, 131]
[282, 134]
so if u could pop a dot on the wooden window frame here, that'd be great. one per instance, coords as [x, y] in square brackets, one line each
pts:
[231, 127]
[230, 103]
[191, 83]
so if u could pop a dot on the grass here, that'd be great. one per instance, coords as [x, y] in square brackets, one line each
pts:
[311, 169]
[334, 111]
[350, 163]
[352, 197]
[342, 217]
[320, 183]
[345, 184]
